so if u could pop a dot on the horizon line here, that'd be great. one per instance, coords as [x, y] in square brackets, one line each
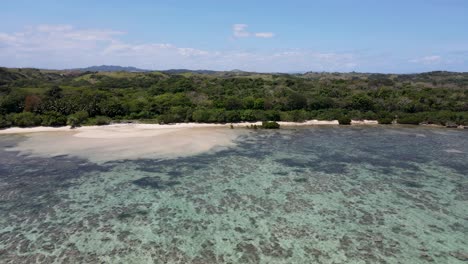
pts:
[233, 70]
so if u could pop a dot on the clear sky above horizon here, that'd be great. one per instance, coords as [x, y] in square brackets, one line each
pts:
[267, 36]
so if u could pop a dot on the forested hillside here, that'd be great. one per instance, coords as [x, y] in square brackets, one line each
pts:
[31, 97]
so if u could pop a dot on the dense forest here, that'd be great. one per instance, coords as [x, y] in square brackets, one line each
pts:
[32, 97]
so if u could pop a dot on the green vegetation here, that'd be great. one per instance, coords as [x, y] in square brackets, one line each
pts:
[385, 120]
[31, 97]
[100, 121]
[25, 119]
[77, 119]
[344, 120]
[410, 120]
[4, 123]
[270, 125]
[53, 118]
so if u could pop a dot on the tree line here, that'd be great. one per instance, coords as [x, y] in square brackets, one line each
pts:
[30, 97]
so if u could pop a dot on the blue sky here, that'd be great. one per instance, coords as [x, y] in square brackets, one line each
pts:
[284, 36]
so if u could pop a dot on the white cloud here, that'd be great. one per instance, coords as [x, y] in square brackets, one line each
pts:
[192, 52]
[87, 35]
[240, 31]
[264, 35]
[5, 38]
[64, 46]
[54, 28]
[427, 60]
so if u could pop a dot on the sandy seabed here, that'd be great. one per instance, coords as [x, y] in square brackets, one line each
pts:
[318, 194]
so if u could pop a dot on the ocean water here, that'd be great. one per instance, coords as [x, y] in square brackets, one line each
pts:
[302, 195]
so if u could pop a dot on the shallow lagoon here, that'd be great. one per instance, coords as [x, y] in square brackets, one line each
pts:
[303, 195]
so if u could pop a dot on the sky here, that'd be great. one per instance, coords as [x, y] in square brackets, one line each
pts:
[265, 36]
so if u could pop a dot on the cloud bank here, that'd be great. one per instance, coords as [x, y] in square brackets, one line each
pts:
[65, 46]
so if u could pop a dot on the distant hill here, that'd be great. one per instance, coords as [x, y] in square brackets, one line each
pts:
[111, 68]
[115, 68]
[181, 71]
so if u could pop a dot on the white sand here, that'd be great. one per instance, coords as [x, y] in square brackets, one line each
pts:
[310, 123]
[126, 130]
[108, 143]
[364, 122]
[123, 128]
[133, 141]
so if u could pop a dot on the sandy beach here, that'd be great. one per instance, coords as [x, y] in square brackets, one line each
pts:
[124, 142]
[101, 144]
[142, 130]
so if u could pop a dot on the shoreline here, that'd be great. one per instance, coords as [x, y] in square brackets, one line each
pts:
[143, 126]
[130, 141]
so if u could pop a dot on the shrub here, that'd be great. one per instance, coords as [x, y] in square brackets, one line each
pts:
[176, 114]
[446, 117]
[100, 121]
[359, 115]
[299, 116]
[270, 125]
[329, 114]
[201, 116]
[232, 116]
[272, 115]
[217, 116]
[247, 115]
[77, 119]
[140, 115]
[410, 120]
[25, 119]
[113, 107]
[4, 123]
[385, 120]
[369, 115]
[362, 102]
[53, 118]
[344, 120]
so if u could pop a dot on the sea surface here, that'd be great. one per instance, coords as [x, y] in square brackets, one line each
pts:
[299, 195]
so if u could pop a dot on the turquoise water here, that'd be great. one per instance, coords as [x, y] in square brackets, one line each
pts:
[305, 195]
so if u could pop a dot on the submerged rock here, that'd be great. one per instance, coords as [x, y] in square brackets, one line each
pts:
[300, 180]
[152, 182]
[463, 256]
[426, 257]
[378, 239]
